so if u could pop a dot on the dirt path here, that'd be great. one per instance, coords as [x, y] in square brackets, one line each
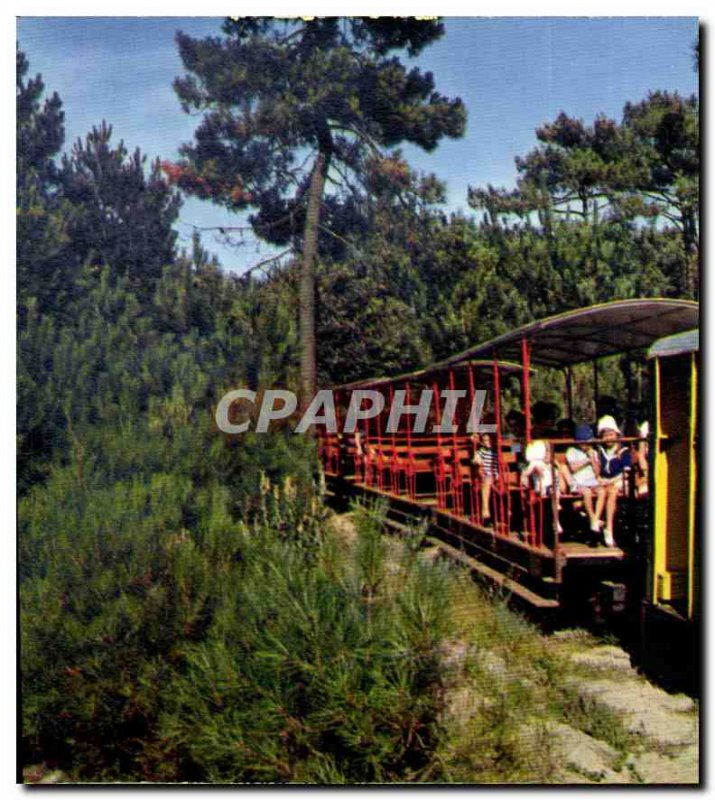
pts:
[662, 727]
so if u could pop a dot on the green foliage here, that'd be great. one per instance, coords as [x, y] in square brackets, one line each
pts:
[322, 680]
[121, 217]
[362, 328]
[595, 719]
[117, 581]
[599, 213]
[610, 176]
[264, 319]
[218, 651]
[42, 215]
[272, 89]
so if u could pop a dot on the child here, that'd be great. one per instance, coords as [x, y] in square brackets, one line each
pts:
[582, 465]
[515, 426]
[613, 462]
[486, 460]
[538, 472]
[641, 457]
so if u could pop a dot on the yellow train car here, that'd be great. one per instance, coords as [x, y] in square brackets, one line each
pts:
[673, 579]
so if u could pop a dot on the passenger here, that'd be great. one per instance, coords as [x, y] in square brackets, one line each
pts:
[565, 429]
[516, 427]
[613, 461]
[538, 473]
[544, 416]
[639, 456]
[638, 433]
[607, 406]
[485, 457]
[582, 464]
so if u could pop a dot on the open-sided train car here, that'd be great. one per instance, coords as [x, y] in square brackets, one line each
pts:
[528, 540]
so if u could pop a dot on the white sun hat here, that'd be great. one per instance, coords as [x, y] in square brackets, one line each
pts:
[607, 423]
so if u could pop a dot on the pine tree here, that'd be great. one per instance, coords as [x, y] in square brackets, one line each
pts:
[643, 170]
[42, 214]
[273, 91]
[122, 217]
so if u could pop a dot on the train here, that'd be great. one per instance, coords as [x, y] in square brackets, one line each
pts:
[534, 544]
[671, 602]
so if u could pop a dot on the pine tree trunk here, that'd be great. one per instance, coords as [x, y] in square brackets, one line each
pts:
[690, 246]
[307, 280]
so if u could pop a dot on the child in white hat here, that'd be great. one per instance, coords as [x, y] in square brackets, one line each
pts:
[613, 460]
[538, 472]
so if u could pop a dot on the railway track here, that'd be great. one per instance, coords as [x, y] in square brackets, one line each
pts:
[532, 582]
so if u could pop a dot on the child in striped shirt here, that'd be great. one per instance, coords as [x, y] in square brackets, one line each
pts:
[485, 458]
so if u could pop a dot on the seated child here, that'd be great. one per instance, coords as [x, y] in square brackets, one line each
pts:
[613, 462]
[582, 465]
[538, 473]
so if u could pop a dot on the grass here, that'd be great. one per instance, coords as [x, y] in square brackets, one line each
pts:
[506, 684]
[497, 730]
[595, 719]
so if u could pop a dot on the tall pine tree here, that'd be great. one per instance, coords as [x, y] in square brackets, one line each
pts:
[42, 215]
[122, 216]
[289, 105]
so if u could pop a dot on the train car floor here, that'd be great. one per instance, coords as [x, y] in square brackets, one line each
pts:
[579, 551]
[494, 577]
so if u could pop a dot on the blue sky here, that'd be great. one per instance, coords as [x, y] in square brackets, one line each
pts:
[512, 73]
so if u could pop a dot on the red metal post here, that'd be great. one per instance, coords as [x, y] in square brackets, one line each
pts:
[365, 454]
[456, 465]
[411, 471]
[338, 437]
[341, 433]
[526, 387]
[502, 509]
[470, 384]
[379, 452]
[394, 466]
[476, 505]
[440, 476]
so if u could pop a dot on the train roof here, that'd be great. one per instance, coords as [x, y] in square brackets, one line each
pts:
[678, 344]
[588, 333]
[478, 365]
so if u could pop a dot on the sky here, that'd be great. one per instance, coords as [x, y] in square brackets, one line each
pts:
[513, 74]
